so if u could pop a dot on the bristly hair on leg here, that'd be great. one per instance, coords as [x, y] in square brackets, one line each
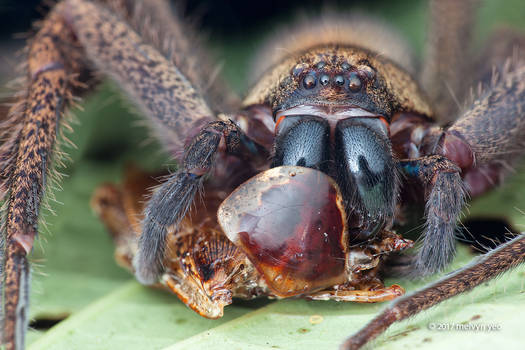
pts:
[10, 128]
[444, 205]
[172, 200]
[25, 170]
[168, 205]
[162, 25]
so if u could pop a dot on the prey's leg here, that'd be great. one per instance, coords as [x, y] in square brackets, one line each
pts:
[359, 296]
[365, 285]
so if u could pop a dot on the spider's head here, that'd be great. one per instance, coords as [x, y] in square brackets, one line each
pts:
[332, 107]
[339, 76]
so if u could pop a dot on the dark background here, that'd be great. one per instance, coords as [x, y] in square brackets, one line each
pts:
[223, 17]
[236, 25]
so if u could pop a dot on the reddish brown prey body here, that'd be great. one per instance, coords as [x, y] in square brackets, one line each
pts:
[306, 183]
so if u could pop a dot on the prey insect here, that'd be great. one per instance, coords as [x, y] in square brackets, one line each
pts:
[310, 175]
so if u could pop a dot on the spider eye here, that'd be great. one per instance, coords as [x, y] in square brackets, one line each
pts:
[339, 80]
[324, 79]
[309, 81]
[297, 71]
[355, 82]
[368, 72]
[345, 66]
[321, 65]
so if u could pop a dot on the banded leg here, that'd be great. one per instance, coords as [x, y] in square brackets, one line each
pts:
[445, 74]
[76, 31]
[25, 158]
[487, 267]
[359, 296]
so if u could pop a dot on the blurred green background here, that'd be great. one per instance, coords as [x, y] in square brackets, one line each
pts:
[74, 272]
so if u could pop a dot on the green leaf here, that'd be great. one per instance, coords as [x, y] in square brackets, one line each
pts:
[75, 274]
[130, 317]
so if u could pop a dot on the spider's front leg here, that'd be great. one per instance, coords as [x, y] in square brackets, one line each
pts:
[25, 155]
[480, 146]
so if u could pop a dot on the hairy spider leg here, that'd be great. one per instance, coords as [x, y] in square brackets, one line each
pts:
[444, 197]
[171, 201]
[479, 271]
[25, 157]
[447, 66]
[488, 135]
[74, 31]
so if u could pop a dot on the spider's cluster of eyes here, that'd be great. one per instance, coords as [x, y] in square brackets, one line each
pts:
[353, 79]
